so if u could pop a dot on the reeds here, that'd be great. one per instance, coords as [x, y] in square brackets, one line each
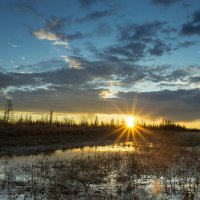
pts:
[156, 172]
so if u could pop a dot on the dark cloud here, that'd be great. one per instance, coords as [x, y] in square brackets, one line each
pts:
[143, 41]
[60, 99]
[186, 44]
[159, 48]
[196, 17]
[195, 79]
[88, 3]
[178, 105]
[190, 29]
[133, 51]
[95, 15]
[164, 2]
[17, 79]
[75, 36]
[43, 66]
[178, 74]
[55, 24]
[143, 32]
[79, 72]
[71, 89]
[62, 73]
[139, 42]
[193, 26]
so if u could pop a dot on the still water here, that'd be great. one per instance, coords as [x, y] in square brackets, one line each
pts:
[7, 162]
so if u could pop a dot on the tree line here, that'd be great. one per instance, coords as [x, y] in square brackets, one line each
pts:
[7, 118]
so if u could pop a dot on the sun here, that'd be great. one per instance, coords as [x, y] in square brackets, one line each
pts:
[130, 121]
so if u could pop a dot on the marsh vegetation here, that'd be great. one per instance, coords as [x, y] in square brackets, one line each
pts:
[142, 171]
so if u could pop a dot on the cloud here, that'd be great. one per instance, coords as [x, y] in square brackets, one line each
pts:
[159, 48]
[16, 79]
[76, 71]
[106, 94]
[164, 2]
[143, 32]
[88, 3]
[190, 29]
[196, 17]
[193, 26]
[133, 51]
[55, 24]
[65, 73]
[195, 79]
[139, 42]
[43, 66]
[186, 44]
[53, 30]
[14, 45]
[174, 77]
[145, 41]
[57, 39]
[75, 36]
[73, 63]
[44, 35]
[76, 84]
[60, 99]
[179, 105]
[97, 15]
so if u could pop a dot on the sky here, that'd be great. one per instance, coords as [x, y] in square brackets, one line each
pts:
[102, 56]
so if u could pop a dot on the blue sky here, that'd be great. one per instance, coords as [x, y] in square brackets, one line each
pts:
[93, 56]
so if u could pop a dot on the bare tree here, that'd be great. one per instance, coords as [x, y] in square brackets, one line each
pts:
[51, 117]
[96, 121]
[8, 111]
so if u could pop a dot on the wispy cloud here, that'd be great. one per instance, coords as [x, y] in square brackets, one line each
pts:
[88, 3]
[165, 2]
[73, 63]
[55, 24]
[14, 45]
[57, 39]
[97, 15]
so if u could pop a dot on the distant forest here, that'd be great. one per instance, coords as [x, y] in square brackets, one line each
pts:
[7, 118]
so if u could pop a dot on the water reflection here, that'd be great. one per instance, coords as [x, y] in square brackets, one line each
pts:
[7, 162]
[122, 147]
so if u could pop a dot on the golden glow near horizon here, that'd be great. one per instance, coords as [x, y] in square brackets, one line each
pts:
[130, 121]
[91, 117]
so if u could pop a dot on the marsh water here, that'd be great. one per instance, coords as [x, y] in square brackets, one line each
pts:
[13, 161]
[125, 170]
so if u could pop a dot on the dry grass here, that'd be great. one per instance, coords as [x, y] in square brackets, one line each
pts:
[149, 172]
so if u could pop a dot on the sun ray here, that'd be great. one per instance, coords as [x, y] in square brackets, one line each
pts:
[120, 135]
